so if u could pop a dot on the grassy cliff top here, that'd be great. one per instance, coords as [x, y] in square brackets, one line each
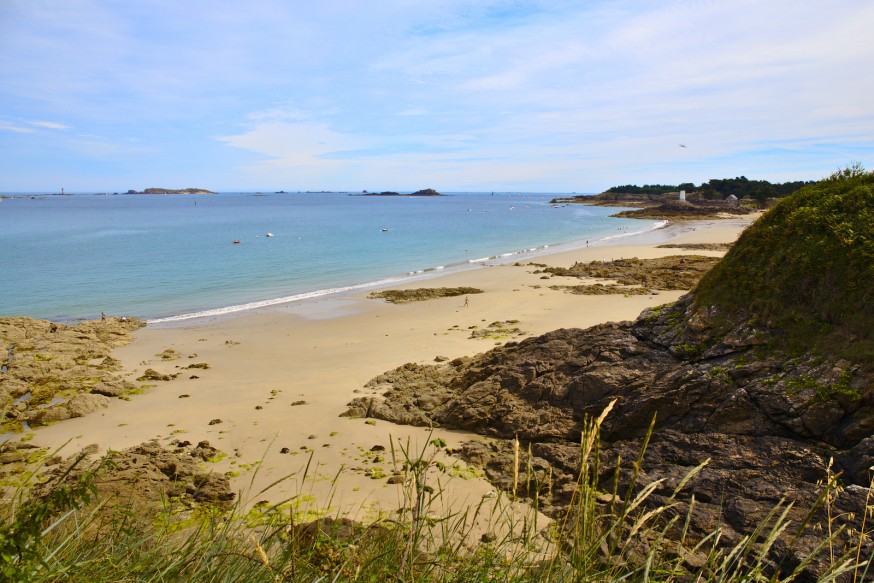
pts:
[806, 265]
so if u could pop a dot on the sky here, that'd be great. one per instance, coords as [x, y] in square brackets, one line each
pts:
[456, 95]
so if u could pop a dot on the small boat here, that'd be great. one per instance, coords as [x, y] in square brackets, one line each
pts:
[269, 235]
[236, 241]
[384, 229]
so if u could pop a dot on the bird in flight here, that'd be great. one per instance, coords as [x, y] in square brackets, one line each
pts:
[682, 145]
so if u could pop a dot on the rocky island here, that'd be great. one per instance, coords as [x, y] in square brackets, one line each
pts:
[171, 191]
[424, 192]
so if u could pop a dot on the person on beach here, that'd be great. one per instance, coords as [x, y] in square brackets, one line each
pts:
[103, 316]
[466, 301]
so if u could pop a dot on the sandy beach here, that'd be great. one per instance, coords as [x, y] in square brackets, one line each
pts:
[278, 379]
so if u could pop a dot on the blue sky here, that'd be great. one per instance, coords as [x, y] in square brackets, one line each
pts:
[549, 96]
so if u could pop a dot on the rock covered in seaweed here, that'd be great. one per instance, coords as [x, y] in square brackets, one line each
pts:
[146, 476]
[53, 371]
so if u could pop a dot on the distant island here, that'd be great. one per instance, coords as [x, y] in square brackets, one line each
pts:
[172, 191]
[425, 192]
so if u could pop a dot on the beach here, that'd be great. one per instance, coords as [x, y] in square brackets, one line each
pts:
[278, 379]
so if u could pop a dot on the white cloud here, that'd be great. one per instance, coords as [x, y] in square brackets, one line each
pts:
[49, 125]
[292, 144]
[10, 127]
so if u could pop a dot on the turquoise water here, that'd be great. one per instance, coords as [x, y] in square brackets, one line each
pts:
[156, 257]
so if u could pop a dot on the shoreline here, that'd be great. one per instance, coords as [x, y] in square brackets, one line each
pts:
[409, 278]
[280, 376]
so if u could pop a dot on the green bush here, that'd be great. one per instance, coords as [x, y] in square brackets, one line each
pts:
[807, 264]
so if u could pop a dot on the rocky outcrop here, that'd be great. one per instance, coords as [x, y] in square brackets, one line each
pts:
[769, 425]
[665, 206]
[685, 211]
[674, 272]
[403, 296]
[146, 476]
[51, 372]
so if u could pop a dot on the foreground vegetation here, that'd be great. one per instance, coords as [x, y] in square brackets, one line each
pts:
[70, 533]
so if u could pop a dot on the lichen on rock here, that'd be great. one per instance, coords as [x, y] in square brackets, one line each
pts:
[53, 371]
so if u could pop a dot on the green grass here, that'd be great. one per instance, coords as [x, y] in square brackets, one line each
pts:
[806, 266]
[70, 535]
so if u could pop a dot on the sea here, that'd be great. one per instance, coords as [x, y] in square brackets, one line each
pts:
[170, 258]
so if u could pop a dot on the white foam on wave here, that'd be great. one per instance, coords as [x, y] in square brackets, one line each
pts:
[274, 302]
[625, 234]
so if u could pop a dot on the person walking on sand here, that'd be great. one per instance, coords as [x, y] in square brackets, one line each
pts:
[103, 316]
[466, 301]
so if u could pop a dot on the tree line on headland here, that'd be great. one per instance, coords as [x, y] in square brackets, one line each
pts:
[718, 189]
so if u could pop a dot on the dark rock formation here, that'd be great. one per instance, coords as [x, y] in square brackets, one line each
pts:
[685, 211]
[758, 420]
[675, 272]
[403, 296]
[774, 413]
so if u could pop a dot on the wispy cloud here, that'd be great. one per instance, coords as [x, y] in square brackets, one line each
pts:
[49, 125]
[10, 127]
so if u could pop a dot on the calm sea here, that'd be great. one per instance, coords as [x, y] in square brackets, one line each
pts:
[67, 258]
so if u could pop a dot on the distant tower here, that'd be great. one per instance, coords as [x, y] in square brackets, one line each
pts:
[683, 195]
[62, 190]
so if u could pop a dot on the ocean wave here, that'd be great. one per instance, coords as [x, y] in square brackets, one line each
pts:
[275, 301]
[658, 225]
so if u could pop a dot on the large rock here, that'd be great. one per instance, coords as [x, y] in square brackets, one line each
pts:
[47, 367]
[79, 406]
[764, 422]
[147, 476]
